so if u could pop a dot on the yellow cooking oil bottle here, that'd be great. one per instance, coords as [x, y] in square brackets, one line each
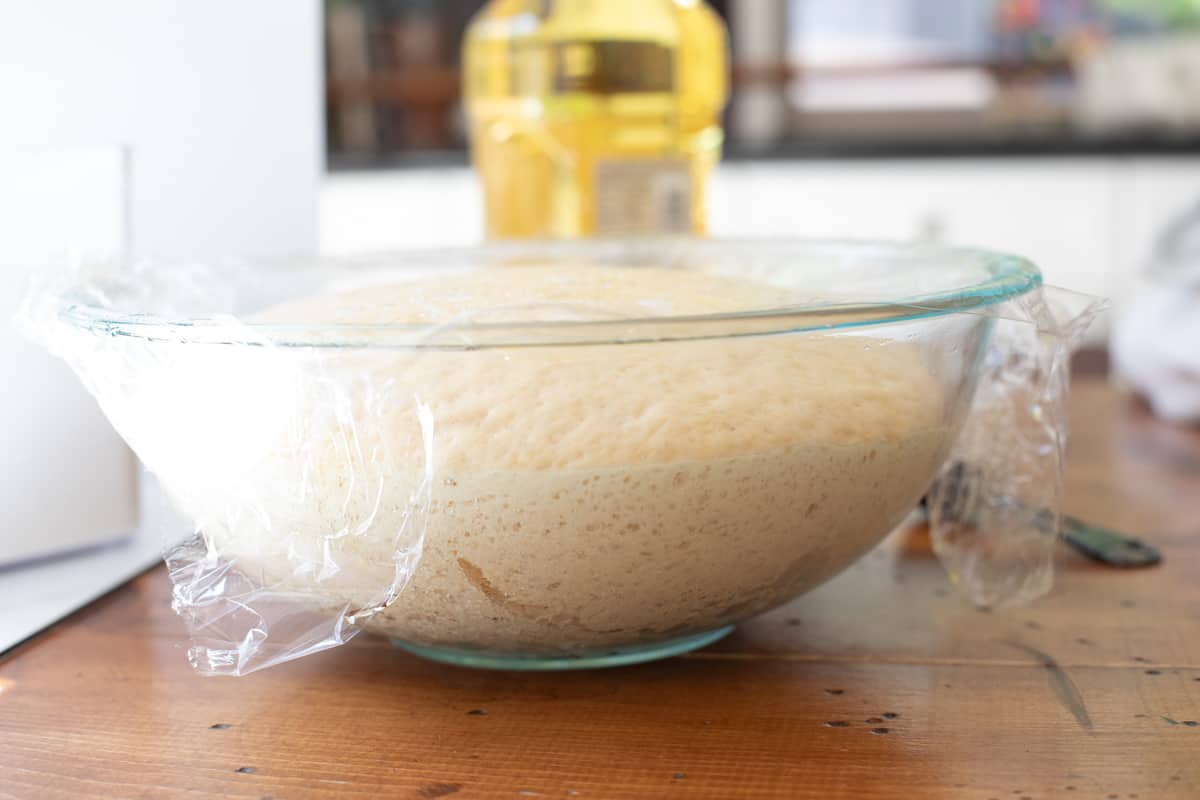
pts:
[595, 117]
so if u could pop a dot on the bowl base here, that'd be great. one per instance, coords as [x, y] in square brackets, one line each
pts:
[598, 660]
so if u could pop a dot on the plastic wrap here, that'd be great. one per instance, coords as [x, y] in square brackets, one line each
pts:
[309, 470]
[994, 511]
[210, 408]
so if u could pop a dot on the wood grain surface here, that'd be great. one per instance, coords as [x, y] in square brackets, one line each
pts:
[882, 684]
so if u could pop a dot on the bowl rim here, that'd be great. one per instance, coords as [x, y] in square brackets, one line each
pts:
[1003, 277]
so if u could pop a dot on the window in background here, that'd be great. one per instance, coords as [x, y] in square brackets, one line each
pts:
[906, 59]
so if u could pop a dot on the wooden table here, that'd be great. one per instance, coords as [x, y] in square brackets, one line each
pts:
[881, 684]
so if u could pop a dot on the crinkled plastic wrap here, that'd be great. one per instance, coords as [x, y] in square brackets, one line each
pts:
[211, 409]
[994, 510]
[238, 427]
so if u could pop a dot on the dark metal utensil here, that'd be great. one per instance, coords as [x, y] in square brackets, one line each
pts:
[1093, 541]
[1106, 546]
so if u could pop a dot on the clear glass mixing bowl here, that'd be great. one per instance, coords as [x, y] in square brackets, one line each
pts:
[614, 453]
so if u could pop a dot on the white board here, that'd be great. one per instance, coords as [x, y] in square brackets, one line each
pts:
[66, 479]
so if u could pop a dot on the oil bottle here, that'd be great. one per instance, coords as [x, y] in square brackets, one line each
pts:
[595, 117]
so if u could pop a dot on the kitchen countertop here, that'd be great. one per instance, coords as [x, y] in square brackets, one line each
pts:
[881, 684]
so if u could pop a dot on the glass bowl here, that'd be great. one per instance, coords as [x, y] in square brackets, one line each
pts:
[537, 456]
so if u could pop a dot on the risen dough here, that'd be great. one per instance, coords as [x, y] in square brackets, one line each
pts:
[582, 497]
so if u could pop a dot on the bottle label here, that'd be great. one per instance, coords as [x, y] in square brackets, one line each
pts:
[601, 67]
[612, 67]
[643, 197]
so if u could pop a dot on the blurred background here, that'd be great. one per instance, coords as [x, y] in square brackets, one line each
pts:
[883, 77]
[1065, 130]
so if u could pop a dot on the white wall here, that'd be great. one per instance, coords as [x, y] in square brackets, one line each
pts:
[218, 102]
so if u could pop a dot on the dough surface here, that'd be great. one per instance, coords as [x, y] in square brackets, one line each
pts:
[581, 498]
